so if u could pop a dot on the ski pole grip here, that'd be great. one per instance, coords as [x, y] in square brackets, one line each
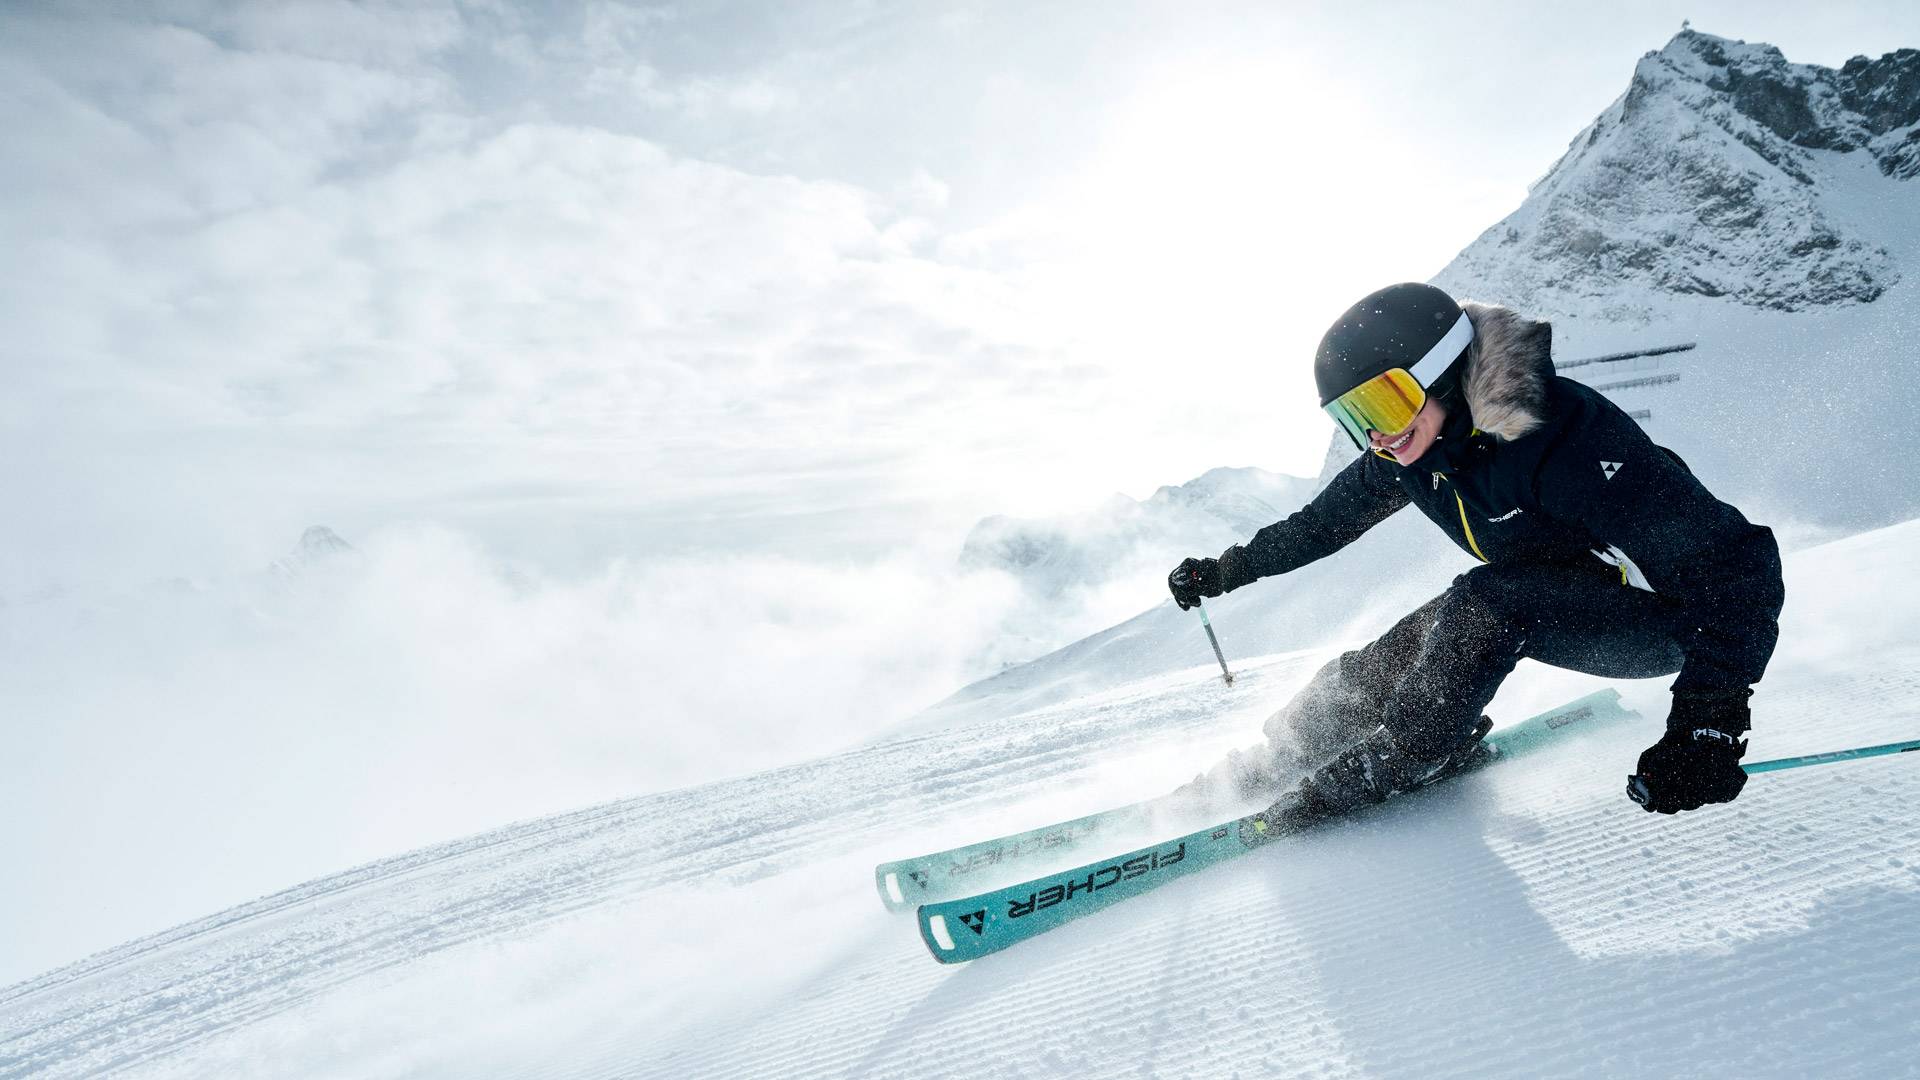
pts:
[1638, 791]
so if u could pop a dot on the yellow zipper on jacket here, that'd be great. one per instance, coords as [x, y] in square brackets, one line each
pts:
[1462, 504]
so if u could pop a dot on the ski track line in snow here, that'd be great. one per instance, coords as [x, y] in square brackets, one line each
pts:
[381, 871]
[518, 877]
[1599, 888]
[1062, 742]
[1470, 902]
[1585, 874]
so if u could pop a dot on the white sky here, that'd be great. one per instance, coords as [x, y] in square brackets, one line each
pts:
[806, 277]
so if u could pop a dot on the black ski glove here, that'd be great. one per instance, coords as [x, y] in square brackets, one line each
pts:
[1698, 760]
[1193, 579]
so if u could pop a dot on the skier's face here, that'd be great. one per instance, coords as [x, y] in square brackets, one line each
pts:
[1406, 446]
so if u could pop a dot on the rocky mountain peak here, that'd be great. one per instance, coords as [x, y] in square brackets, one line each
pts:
[1808, 106]
[1712, 175]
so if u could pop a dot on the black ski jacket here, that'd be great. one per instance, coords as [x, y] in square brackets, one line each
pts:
[1565, 478]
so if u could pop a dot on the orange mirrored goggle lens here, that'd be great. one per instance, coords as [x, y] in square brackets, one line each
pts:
[1386, 403]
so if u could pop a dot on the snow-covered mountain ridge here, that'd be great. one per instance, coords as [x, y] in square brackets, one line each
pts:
[1768, 212]
[1709, 177]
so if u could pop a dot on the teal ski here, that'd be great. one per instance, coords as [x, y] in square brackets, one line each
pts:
[905, 884]
[970, 927]
[942, 875]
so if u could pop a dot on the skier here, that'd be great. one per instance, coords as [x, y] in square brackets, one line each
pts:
[1599, 552]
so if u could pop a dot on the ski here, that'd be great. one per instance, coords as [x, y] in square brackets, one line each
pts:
[970, 927]
[943, 875]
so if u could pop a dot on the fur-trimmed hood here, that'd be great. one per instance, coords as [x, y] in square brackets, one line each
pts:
[1507, 368]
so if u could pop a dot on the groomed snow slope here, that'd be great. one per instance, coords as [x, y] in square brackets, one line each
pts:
[1527, 921]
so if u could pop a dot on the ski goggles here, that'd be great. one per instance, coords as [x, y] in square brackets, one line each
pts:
[1388, 402]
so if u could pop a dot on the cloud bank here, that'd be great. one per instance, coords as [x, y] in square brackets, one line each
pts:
[218, 740]
[258, 263]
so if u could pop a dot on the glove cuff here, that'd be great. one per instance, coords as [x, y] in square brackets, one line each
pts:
[1234, 571]
[1722, 711]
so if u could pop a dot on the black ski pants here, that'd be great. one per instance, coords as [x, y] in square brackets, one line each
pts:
[1431, 675]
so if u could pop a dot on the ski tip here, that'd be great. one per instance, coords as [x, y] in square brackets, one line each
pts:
[939, 938]
[937, 927]
[886, 879]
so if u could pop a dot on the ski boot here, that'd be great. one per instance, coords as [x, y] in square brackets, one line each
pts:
[1377, 768]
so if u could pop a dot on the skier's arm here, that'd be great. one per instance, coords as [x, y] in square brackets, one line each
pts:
[1692, 547]
[1363, 495]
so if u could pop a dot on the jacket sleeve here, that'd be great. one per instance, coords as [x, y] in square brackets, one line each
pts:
[1361, 496]
[1724, 570]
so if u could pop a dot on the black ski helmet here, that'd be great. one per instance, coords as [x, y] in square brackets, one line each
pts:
[1412, 326]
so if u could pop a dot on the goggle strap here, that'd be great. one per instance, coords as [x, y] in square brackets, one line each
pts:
[1433, 365]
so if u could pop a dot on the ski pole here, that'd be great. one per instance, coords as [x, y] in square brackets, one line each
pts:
[1638, 791]
[1217, 654]
[1832, 756]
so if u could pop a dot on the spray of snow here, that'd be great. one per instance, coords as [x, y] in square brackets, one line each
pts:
[365, 701]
